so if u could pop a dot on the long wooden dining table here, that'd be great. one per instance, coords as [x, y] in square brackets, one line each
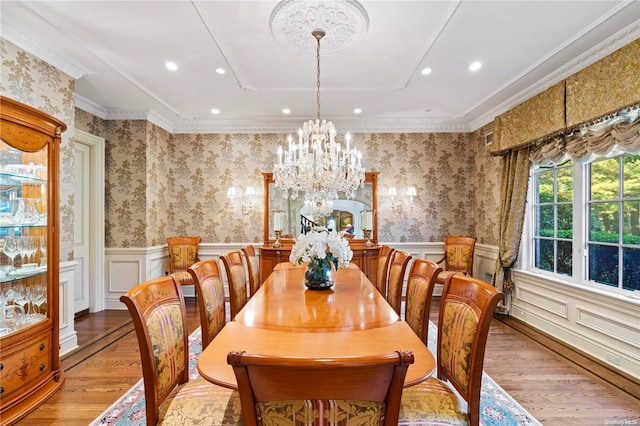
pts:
[284, 318]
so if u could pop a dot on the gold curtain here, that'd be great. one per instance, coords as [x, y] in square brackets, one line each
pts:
[541, 115]
[604, 87]
[513, 197]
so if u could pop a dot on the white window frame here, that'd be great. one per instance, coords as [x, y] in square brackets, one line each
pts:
[580, 233]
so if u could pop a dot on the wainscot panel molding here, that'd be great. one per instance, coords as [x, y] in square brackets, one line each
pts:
[68, 335]
[127, 267]
[604, 326]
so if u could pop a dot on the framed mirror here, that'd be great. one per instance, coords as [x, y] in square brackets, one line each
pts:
[346, 218]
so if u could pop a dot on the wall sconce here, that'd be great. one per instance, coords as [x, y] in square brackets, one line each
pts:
[243, 202]
[400, 203]
[367, 226]
[278, 226]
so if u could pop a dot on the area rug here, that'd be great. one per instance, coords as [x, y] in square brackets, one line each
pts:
[497, 408]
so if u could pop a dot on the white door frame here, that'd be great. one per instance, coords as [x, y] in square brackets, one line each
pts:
[96, 220]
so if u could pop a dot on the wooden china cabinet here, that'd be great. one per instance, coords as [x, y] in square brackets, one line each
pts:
[30, 370]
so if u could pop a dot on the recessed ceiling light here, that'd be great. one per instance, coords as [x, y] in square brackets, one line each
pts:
[215, 111]
[286, 111]
[220, 70]
[171, 66]
[426, 71]
[357, 110]
[475, 66]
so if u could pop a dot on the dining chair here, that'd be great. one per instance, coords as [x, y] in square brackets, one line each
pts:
[397, 269]
[236, 279]
[253, 268]
[159, 317]
[357, 390]
[420, 285]
[382, 270]
[458, 257]
[183, 252]
[211, 303]
[466, 309]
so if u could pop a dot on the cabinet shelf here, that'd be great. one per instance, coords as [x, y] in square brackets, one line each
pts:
[7, 178]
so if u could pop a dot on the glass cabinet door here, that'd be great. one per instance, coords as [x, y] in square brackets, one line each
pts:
[23, 238]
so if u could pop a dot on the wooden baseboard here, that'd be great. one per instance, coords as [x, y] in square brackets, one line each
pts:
[619, 379]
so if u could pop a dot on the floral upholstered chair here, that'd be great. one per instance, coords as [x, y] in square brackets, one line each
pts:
[159, 317]
[315, 391]
[420, 285]
[382, 269]
[397, 269]
[210, 291]
[253, 268]
[458, 257]
[466, 309]
[183, 252]
[236, 279]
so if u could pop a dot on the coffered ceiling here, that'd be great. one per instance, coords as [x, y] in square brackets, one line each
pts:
[371, 58]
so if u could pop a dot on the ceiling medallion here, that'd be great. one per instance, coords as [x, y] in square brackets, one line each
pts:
[345, 22]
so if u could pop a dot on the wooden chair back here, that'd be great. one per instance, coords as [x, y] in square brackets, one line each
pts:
[253, 268]
[397, 269]
[183, 252]
[236, 279]
[382, 272]
[268, 384]
[420, 285]
[466, 308]
[211, 303]
[159, 318]
[458, 256]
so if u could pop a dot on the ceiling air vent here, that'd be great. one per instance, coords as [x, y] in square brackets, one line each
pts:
[488, 138]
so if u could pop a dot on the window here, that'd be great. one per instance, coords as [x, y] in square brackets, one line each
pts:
[585, 221]
[614, 226]
[553, 210]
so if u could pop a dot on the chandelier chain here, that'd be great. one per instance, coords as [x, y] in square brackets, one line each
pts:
[318, 37]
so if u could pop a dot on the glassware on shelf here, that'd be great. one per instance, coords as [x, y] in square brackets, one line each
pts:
[24, 211]
[37, 296]
[10, 248]
[43, 250]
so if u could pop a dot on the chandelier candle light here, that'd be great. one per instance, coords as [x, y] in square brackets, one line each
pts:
[316, 164]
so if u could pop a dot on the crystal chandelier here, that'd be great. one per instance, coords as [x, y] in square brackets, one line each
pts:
[316, 165]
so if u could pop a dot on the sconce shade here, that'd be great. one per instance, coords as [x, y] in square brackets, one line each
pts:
[411, 191]
[392, 191]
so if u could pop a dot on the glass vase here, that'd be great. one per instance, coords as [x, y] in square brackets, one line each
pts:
[319, 275]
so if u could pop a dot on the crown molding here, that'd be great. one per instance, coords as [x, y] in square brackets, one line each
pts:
[67, 66]
[417, 125]
[89, 106]
[601, 50]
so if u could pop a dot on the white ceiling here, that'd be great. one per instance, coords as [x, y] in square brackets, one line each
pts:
[117, 51]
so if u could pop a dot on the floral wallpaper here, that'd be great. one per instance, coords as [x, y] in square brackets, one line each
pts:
[159, 184]
[34, 82]
[486, 188]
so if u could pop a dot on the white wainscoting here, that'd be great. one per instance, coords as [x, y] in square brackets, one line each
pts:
[603, 325]
[68, 336]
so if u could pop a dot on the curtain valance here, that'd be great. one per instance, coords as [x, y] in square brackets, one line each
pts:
[620, 134]
[593, 94]
[541, 115]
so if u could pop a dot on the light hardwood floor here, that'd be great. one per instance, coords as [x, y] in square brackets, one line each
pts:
[545, 382]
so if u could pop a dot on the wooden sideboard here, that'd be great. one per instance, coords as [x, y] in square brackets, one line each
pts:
[365, 257]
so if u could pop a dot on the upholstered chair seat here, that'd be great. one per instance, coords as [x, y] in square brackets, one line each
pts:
[184, 406]
[431, 402]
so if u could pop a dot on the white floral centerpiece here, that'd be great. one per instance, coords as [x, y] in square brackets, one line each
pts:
[321, 250]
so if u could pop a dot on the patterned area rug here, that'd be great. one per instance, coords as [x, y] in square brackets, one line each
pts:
[497, 408]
